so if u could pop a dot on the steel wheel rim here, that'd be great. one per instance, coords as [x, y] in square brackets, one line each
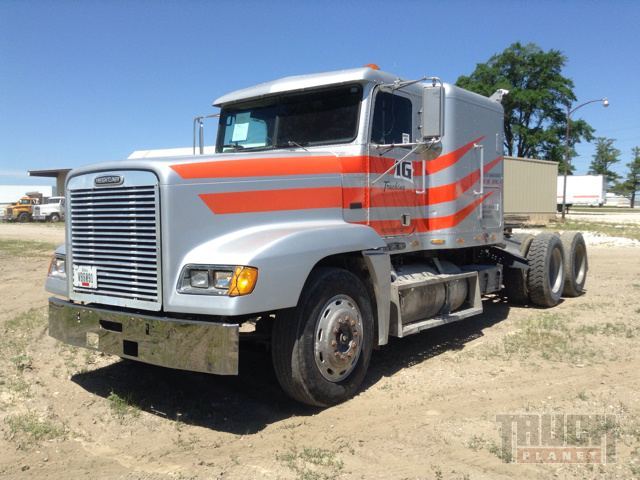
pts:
[556, 273]
[579, 264]
[338, 338]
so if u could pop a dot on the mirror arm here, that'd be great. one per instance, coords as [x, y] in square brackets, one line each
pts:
[397, 85]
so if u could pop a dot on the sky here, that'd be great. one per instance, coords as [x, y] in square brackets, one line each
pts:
[89, 81]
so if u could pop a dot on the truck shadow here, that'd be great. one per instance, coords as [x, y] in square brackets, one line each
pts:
[247, 403]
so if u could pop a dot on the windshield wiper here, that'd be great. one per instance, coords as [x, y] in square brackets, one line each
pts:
[291, 144]
[233, 145]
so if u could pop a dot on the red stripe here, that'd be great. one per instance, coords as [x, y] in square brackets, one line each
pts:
[309, 165]
[335, 197]
[273, 200]
[397, 198]
[448, 159]
[423, 225]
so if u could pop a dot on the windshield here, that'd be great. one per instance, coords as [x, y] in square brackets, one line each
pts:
[53, 200]
[318, 117]
[25, 202]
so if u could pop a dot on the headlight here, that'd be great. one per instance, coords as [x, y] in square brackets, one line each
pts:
[233, 281]
[57, 267]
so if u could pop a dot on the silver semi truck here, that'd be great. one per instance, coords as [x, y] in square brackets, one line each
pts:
[338, 210]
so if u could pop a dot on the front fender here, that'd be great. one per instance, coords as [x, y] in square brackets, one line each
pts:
[284, 254]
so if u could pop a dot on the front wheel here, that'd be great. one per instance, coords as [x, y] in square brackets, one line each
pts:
[24, 217]
[54, 218]
[321, 349]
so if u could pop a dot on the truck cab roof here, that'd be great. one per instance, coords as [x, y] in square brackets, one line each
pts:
[304, 82]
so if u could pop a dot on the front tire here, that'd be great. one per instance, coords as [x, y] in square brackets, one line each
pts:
[54, 218]
[24, 217]
[321, 349]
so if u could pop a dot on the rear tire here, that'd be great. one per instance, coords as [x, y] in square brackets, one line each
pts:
[321, 349]
[576, 264]
[515, 279]
[545, 279]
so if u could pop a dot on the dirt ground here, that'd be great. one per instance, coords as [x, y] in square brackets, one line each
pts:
[427, 410]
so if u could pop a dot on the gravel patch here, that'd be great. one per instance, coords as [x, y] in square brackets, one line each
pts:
[592, 239]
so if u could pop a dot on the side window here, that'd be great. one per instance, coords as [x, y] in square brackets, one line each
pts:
[391, 119]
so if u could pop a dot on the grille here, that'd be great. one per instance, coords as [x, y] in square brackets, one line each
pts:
[117, 231]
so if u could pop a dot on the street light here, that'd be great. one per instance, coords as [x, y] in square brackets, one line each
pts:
[570, 111]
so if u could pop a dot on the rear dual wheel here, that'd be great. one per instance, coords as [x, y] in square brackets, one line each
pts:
[515, 279]
[575, 263]
[545, 278]
[321, 349]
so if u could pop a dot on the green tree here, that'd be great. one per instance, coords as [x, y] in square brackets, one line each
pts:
[604, 158]
[536, 106]
[631, 184]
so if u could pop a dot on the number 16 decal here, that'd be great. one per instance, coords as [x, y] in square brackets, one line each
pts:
[404, 170]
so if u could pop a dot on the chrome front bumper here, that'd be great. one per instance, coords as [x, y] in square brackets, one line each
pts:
[168, 342]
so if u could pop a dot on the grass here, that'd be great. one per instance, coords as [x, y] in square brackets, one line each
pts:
[27, 321]
[312, 463]
[549, 336]
[593, 430]
[26, 248]
[15, 339]
[610, 209]
[611, 229]
[478, 442]
[609, 329]
[122, 406]
[28, 429]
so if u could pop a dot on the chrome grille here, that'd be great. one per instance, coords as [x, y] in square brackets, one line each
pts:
[116, 229]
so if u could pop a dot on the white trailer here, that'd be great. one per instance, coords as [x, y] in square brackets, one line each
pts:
[586, 190]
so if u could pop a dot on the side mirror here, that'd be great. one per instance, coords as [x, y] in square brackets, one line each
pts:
[432, 118]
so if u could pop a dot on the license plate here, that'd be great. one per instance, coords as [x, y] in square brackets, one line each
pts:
[85, 276]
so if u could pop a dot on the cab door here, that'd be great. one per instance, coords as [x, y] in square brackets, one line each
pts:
[393, 201]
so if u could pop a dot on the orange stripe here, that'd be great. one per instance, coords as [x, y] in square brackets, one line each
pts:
[448, 159]
[335, 197]
[261, 167]
[398, 198]
[440, 223]
[273, 200]
[423, 225]
[309, 165]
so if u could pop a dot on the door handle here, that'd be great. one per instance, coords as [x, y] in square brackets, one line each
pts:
[481, 148]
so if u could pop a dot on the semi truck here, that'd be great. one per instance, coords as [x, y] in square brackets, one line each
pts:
[52, 210]
[338, 210]
[22, 210]
[585, 190]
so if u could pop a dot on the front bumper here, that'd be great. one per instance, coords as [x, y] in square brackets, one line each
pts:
[168, 342]
[39, 217]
